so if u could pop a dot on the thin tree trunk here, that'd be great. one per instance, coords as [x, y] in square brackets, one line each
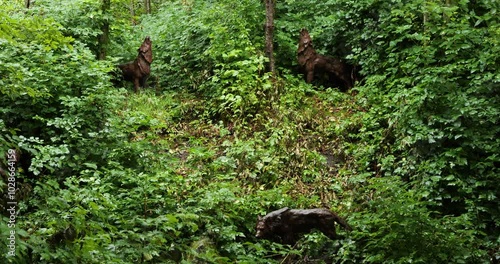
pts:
[132, 12]
[147, 6]
[425, 15]
[448, 4]
[103, 39]
[270, 34]
[28, 3]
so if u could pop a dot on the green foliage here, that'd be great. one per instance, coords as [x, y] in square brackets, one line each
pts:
[401, 229]
[57, 107]
[409, 157]
[57, 96]
[40, 44]
[217, 53]
[83, 21]
[431, 100]
[428, 109]
[438, 102]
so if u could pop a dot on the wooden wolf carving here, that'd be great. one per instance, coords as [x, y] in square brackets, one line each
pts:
[286, 225]
[138, 71]
[311, 63]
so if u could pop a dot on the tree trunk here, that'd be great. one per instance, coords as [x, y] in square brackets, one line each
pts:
[103, 39]
[270, 34]
[448, 4]
[147, 6]
[28, 3]
[132, 12]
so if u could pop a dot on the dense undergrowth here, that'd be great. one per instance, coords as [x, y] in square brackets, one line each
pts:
[179, 172]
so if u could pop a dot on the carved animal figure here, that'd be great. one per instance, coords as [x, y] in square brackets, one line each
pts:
[313, 64]
[138, 71]
[288, 224]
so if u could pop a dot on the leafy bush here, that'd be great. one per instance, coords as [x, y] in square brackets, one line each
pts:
[430, 98]
[217, 53]
[398, 227]
[84, 20]
[409, 157]
[58, 108]
[428, 103]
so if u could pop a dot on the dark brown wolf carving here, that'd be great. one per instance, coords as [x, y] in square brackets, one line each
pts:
[138, 71]
[311, 63]
[286, 225]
